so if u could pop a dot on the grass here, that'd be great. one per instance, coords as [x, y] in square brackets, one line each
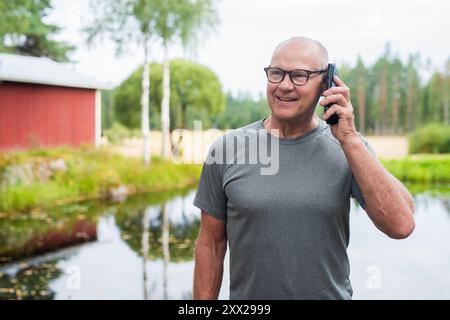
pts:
[422, 169]
[90, 174]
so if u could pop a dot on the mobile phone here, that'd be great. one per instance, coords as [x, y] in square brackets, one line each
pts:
[331, 71]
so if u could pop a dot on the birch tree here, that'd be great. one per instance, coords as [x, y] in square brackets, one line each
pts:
[128, 23]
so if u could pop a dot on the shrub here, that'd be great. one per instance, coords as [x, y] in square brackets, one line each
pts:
[117, 133]
[433, 138]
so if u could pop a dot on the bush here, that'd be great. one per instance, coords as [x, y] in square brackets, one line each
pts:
[433, 138]
[117, 133]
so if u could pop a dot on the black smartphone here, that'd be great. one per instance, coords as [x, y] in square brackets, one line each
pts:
[331, 71]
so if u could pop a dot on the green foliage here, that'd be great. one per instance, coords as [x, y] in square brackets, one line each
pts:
[426, 169]
[183, 19]
[127, 103]
[433, 138]
[136, 21]
[23, 30]
[389, 97]
[194, 89]
[90, 174]
[436, 98]
[241, 110]
[117, 133]
[431, 188]
[124, 22]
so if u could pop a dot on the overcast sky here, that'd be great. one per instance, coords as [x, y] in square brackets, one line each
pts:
[250, 29]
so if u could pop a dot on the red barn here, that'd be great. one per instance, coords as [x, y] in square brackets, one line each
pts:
[45, 104]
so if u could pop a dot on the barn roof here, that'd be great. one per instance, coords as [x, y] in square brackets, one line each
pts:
[27, 69]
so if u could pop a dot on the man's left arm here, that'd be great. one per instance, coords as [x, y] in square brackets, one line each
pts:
[388, 203]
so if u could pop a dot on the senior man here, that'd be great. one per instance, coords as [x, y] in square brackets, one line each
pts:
[288, 232]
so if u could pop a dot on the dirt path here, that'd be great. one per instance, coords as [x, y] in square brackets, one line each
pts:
[386, 147]
[389, 147]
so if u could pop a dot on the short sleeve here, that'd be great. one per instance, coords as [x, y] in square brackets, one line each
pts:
[210, 196]
[355, 190]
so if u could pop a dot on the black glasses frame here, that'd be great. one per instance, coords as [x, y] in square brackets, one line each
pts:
[308, 73]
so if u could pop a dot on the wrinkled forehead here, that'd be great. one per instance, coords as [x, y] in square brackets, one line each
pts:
[299, 56]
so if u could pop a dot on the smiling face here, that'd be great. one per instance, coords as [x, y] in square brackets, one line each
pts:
[287, 101]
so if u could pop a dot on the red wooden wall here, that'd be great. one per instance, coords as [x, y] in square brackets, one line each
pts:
[34, 115]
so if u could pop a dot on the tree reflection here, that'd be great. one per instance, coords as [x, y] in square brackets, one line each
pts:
[145, 249]
[165, 246]
[30, 282]
[169, 241]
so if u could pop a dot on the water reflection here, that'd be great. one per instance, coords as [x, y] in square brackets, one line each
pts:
[143, 248]
[414, 268]
[29, 282]
[159, 231]
[39, 232]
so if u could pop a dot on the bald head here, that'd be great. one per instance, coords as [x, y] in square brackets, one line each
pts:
[301, 48]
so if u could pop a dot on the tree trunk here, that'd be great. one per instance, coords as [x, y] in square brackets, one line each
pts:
[361, 96]
[410, 104]
[165, 243]
[145, 249]
[183, 114]
[145, 102]
[383, 99]
[446, 110]
[165, 105]
[446, 90]
[396, 103]
[445, 98]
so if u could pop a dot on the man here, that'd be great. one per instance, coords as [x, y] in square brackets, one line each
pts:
[288, 232]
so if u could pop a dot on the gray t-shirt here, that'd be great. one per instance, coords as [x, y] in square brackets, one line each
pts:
[288, 232]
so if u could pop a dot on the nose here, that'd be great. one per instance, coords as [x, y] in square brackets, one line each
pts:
[286, 84]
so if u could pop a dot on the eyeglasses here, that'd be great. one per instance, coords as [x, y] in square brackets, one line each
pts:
[299, 77]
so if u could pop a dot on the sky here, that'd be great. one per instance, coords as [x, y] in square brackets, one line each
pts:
[250, 29]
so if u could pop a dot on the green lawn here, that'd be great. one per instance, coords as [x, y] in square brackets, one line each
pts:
[423, 168]
[90, 174]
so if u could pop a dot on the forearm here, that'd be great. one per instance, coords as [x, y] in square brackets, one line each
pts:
[406, 195]
[388, 202]
[208, 269]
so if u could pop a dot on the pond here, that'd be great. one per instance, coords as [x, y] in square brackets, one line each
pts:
[94, 250]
